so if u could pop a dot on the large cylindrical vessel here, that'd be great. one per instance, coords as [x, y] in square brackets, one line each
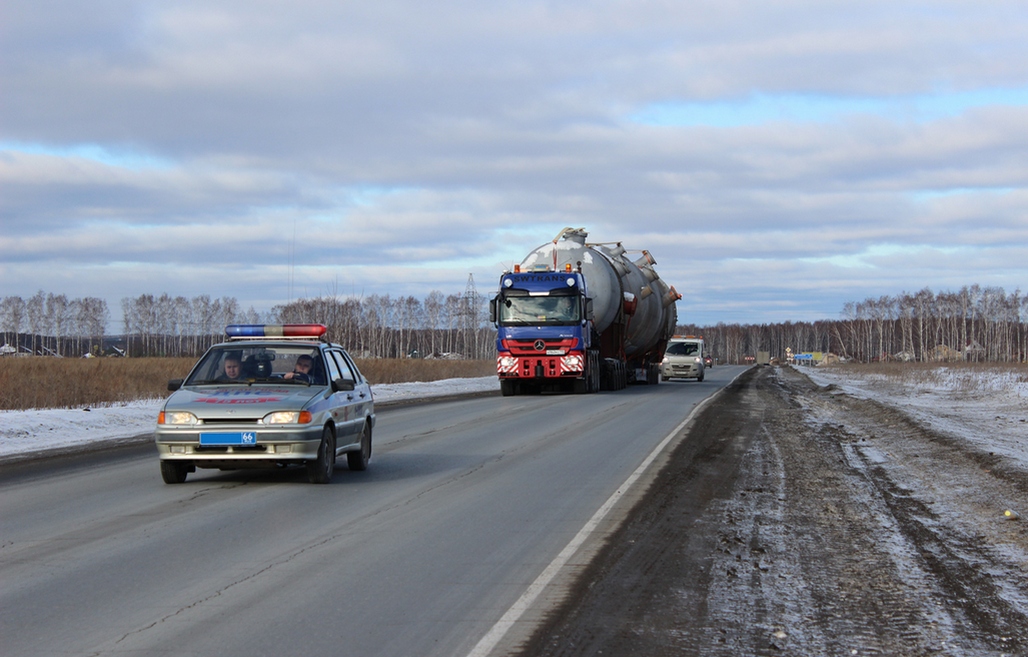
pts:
[622, 290]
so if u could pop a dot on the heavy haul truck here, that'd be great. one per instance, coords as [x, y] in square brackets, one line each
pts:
[581, 317]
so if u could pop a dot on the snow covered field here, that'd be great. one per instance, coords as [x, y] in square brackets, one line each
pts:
[23, 432]
[985, 407]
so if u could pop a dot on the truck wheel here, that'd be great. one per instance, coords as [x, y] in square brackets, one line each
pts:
[508, 388]
[606, 375]
[321, 469]
[594, 371]
[174, 472]
[358, 461]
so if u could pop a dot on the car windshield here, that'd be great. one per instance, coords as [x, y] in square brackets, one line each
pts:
[539, 310]
[682, 349]
[259, 363]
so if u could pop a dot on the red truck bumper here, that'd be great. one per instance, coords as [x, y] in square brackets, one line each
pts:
[540, 367]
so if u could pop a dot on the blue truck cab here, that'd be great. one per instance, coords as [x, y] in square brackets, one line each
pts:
[544, 334]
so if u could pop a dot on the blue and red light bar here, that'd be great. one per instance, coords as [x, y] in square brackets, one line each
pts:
[276, 330]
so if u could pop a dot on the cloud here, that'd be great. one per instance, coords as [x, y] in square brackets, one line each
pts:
[778, 160]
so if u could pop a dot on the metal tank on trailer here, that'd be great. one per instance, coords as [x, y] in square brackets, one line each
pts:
[628, 310]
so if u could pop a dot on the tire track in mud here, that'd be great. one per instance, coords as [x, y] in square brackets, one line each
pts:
[946, 497]
[790, 521]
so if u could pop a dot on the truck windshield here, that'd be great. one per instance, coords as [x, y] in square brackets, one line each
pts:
[539, 310]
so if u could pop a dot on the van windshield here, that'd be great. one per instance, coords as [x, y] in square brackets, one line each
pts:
[683, 349]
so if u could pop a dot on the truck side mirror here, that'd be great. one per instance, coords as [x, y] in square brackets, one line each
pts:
[493, 315]
[589, 309]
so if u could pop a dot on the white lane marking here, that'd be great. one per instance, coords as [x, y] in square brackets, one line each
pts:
[493, 637]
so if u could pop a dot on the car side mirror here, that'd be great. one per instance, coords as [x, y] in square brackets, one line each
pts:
[343, 385]
[174, 384]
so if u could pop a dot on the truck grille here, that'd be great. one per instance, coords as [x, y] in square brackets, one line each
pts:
[535, 347]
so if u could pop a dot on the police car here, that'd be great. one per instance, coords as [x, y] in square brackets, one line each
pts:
[270, 396]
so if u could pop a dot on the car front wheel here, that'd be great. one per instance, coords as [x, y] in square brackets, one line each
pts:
[320, 470]
[174, 472]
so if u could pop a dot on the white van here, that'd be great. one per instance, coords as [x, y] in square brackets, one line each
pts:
[683, 358]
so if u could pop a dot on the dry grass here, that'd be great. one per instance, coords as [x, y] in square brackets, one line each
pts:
[406, 370]
[72, 382]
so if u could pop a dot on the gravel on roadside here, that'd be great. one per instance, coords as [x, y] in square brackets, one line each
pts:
[795, 519]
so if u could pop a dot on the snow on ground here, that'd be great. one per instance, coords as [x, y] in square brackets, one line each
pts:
[22, 432]
[987, 408]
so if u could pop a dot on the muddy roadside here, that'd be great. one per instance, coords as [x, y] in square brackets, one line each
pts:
[794, 519]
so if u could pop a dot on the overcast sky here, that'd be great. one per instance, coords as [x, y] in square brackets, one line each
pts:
[778, 159]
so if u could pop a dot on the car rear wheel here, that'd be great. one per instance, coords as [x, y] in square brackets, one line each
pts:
[174, 472]
[359, 460]
[320, 470]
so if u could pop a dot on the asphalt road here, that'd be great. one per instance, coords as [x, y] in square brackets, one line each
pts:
[465, 504]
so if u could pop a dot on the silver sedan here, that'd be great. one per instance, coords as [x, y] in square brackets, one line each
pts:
[256, 401]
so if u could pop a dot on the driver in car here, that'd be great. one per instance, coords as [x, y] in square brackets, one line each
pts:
[301, 370]
[233, 366]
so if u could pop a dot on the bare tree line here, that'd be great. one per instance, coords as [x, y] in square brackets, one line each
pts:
[372, 327]
[382, 326]
[974, 323]
[740, 343]
[51, 320]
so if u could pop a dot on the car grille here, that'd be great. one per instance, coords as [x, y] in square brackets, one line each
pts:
[229, 420]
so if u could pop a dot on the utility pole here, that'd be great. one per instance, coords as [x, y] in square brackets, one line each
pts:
[469, 318]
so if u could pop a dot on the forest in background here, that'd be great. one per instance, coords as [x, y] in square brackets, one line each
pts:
[979, 324]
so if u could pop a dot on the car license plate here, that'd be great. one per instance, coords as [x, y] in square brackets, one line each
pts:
[233, 438]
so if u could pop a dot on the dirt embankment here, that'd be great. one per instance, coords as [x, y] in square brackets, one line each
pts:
[797, 520]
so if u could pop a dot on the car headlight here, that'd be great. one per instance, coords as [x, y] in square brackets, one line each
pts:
[288, 417]
[176, 417]
[699, 360]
